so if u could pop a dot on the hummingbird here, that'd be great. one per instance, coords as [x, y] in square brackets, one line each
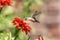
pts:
[33, 17]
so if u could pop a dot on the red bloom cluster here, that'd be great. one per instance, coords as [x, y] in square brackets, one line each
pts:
[20, 24]
[5, 2]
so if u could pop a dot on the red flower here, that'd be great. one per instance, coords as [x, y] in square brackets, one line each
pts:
[20, 24]
[5, 2]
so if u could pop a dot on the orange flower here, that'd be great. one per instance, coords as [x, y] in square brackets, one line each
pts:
[20, 24]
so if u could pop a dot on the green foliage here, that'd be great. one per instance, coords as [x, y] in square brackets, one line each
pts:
[5, 36]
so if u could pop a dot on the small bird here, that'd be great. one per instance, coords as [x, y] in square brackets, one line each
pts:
[33, 17]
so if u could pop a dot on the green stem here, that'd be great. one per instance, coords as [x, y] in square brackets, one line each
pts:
[16, 34]
[0, 10]
[29, 38]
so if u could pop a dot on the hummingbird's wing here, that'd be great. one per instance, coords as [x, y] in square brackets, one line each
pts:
[36, 16]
